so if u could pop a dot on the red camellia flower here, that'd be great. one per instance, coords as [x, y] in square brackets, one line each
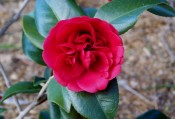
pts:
[85, 53]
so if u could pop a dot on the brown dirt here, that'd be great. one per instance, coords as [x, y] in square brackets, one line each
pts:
[146, 65]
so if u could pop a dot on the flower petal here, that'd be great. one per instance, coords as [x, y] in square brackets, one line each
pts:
[69, 28]
[74, 86]
[59, 79]
[101, 64]
[65, 69]
[92, 82]
[115, 71]
[49, 57]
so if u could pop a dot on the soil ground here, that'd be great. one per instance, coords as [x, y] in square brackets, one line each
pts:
[148, 68]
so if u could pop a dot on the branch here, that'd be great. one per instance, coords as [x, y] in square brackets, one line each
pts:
[14, 18]
[164, 41]
[28, 108]
[31, 106]
[44, 88]
[166, 46]
[40, 98]
[124, 84]
[8, 84]
[163, 37]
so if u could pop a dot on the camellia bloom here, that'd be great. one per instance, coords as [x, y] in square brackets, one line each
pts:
[85, 53]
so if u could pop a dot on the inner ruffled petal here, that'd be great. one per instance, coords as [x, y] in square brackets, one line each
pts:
[68, 67]
[69, 29]
[84, 38]
[101, 64]
[85, 58]
[66, 48]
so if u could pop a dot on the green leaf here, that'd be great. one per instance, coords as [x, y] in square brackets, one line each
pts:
[31, 31]
[59, 113]
[153, 114]
[47, 73]
[1, 117]
[59, 95]
[101, 105]
[65, 9]
[44, 114]
[2, 110]
[54, 111]
[163, 10]
[32, 51]
[38, 80]
[124, 14]
[90, 11]
[44, 16]
[71, 115]
[21, 87]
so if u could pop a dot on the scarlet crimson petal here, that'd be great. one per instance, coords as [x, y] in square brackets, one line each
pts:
[90, 82]
[69, 28]
[74, 86]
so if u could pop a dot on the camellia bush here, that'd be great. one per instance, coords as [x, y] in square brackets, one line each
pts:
[83, 53]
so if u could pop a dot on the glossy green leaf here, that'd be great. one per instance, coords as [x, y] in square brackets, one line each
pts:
[2, 110]
[59, 95]
[101, 105]
[163, 10]
[21, 87]
[47, 73]
[65, 9]
[45, 18]
[38, 80]
[71, 115]
[90, 11]
[54, 111]
[1, 117]
[31, 30]
[32, 51]
[44, 114]
[58, 113]
[124, 14]
[153, 114]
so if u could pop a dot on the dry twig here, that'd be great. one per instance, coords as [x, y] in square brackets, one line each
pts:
[14, 18]
[169, 28]
[165, 43]
[8, 84]
[124, 85]
[166, 46]
[40, 98]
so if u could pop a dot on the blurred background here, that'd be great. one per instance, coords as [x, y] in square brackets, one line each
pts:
[147, 80]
